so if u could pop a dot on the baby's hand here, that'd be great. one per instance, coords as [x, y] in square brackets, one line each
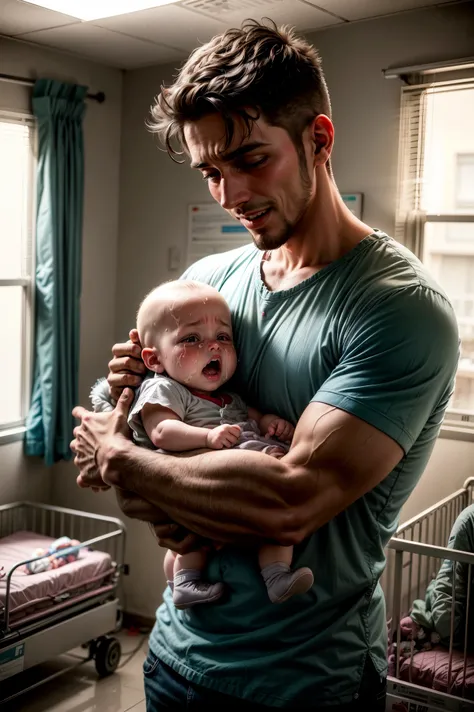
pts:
[281, 429]
[223, 436]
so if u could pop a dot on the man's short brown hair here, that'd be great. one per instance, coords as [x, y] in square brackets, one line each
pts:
[258, 70]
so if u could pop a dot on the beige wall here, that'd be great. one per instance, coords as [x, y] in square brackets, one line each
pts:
[28, 478]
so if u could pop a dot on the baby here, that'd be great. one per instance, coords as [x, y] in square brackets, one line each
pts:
[186, 336]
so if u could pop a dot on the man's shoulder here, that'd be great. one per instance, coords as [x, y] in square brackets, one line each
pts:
[398, 267]
[217, 268]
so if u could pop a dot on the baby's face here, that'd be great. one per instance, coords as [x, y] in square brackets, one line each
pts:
[196, 347]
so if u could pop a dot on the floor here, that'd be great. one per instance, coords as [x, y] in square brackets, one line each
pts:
[81, 690]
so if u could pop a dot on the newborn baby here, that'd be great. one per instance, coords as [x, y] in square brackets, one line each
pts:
[186, 337]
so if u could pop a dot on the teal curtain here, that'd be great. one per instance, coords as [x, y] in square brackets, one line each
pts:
[59, 110]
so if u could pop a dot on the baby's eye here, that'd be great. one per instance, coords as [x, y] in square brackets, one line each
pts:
[190, 339]
[224, 337]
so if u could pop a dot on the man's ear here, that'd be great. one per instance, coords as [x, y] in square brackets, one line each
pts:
[322, 130]
[151, 360]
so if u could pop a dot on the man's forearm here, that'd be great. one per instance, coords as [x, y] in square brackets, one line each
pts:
[235, 496]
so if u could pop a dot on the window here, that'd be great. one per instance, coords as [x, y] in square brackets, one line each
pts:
[436, 209]
[465, 181]
[17, 181]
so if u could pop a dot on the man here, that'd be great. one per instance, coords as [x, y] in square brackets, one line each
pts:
[338, 329]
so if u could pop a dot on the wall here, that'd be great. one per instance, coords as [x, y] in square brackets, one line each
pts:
[28, 478]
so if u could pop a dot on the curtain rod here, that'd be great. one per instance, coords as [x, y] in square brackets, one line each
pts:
[433, 68]
[99, 97]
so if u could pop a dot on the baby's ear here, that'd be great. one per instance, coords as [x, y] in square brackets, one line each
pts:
[152, 361]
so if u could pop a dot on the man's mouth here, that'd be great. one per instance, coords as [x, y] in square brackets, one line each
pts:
[254, 218]
[212, 369]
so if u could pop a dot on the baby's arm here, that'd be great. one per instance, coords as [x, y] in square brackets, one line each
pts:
[272, 426]
[168, 432]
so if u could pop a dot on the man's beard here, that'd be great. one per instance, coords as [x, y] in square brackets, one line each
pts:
[273, 242]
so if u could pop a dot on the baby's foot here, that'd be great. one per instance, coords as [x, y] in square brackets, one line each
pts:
[282, 583]
[190, 590]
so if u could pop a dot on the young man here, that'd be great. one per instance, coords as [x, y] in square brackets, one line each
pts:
[339, 330]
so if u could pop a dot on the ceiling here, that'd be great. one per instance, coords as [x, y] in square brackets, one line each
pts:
[169, 33]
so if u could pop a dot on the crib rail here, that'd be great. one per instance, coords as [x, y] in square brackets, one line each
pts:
[432, 526]
[94, 531]
[415, 555]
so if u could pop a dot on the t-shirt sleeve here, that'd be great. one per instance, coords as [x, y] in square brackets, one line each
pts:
[158, 391]
[397, 363]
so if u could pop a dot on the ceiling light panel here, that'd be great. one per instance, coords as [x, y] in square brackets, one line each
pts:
[96, 9]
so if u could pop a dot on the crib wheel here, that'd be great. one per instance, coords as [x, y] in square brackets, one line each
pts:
[107, 656]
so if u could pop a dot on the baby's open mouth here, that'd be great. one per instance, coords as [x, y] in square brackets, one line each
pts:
[213, 368]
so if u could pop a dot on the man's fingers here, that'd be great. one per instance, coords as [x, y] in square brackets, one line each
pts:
[79, 412]
[134, 338]
[124, 402]
[122, 380]
[127, 349]
[126, 363]
[166, 531]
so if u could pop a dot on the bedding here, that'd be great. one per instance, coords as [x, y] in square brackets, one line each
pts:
[30, 593]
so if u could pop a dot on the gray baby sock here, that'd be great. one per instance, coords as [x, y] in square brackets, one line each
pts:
[190, 590]
[282, 583]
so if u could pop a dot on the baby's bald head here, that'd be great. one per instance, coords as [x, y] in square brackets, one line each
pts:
[160, 308]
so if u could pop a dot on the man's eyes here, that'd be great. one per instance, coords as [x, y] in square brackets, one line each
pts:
[241, 165]
[259, 161]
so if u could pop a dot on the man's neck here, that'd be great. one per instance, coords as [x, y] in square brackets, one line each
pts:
[328, 231]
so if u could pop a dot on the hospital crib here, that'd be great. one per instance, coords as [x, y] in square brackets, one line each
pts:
[47, 614]
[441, 678]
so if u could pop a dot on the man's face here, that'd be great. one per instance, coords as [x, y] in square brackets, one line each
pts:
[260, 180]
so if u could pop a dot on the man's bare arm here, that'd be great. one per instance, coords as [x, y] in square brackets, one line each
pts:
[247, 497]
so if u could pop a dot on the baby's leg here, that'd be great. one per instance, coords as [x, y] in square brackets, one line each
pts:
[189, 589]
[168, 566]
[280, 580]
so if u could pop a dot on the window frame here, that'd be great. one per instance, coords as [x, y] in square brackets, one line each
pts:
[411, 219]
[460, 159]
[14, 430]
[455, 419]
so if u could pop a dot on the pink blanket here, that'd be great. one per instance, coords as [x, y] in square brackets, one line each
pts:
[29, 592]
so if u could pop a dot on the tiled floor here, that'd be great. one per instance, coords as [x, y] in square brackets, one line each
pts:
[81, 690]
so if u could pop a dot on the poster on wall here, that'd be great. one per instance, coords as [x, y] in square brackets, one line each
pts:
[211, 230]
[354, 203]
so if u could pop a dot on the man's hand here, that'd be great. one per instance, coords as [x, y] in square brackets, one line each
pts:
[169, 534]
[281, 429]
[126, 368]
[96, 433]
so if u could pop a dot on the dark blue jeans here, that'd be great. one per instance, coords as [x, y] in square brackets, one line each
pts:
[166, 690]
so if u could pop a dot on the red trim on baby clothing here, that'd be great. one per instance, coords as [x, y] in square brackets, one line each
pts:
[224, 399]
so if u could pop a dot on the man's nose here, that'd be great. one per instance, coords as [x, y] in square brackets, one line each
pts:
[234, 191]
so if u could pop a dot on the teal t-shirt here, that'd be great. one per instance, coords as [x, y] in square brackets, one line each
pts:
[372, 334]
